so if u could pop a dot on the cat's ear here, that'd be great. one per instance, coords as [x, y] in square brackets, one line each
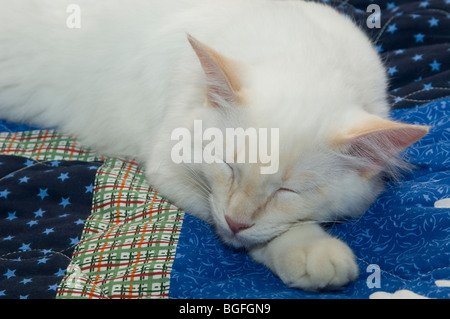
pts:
[222, 74]
[375, 141]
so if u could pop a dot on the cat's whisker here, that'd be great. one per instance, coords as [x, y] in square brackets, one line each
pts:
[199, 186]
[193, 177]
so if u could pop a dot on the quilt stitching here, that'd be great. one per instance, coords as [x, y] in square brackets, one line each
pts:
[406, 97]
[128, 243]
[38, 234]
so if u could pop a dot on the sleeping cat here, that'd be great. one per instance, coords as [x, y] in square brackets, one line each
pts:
[125, 74]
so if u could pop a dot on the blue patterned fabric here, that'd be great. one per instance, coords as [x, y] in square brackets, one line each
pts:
[6, 126]
[402, 233]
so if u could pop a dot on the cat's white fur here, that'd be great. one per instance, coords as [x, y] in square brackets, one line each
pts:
[131, 74]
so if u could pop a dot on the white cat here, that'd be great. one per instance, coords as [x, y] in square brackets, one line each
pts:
[131, 74]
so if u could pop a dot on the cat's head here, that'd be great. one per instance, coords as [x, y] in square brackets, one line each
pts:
[326, 164]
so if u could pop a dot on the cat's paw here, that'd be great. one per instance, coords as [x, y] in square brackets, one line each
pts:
[325, 264]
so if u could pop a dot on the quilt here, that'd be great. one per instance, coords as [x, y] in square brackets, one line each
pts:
[75, 224]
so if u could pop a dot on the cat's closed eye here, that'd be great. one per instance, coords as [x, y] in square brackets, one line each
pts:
[224, 173]
[231, 170]
[286, 193]
[285, 189]
[228, 170]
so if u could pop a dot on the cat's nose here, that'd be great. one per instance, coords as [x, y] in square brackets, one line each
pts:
[236, 227]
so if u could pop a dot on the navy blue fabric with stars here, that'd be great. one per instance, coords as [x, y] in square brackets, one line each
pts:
[413, 41]
[44, 206]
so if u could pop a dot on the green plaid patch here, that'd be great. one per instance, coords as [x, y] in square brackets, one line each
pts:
[45, 145]
[129, 241]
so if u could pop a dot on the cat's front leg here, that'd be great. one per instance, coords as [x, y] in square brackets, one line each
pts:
[306, 257]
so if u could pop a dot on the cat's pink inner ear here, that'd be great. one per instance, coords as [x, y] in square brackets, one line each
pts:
[376, 140]
[222, 74]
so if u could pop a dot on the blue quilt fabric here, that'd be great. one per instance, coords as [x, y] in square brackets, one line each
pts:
[402, 234]
[42, 216]
[43, 206]
[402, 241]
